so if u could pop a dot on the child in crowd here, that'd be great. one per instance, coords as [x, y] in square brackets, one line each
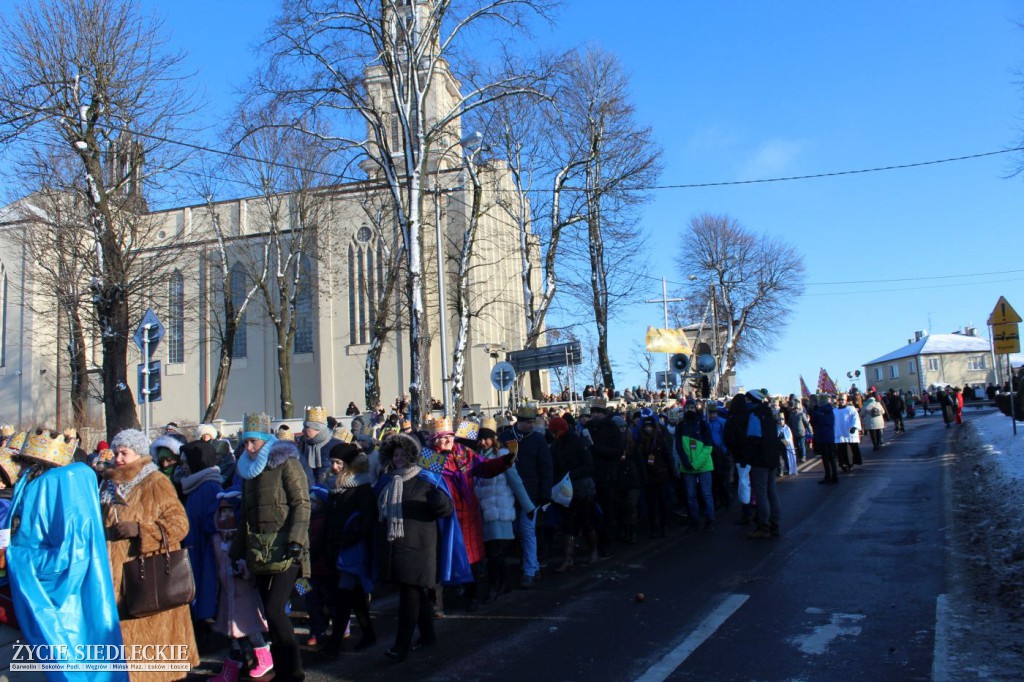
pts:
[239, 610]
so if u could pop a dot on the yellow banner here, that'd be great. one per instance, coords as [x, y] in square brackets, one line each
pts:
[667, 341]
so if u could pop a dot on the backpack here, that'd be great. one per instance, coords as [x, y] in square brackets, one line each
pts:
[875, 412]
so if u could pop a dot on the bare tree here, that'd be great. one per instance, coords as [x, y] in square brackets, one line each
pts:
[756, 280]
[93, 77]
[622, 161]
[645, 363]
[387, 68]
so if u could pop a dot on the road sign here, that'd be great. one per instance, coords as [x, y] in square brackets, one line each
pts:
[1003, 313]
[546, 357]
[154, 328]
[663, 380]
[503, 375]
[154, 382]
[1005, 338]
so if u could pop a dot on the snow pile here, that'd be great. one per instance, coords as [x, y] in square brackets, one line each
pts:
[994, 433]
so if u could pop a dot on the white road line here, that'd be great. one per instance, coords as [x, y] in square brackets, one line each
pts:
[667, 665]
[943, 635]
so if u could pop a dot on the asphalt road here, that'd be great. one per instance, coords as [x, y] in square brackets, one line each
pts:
[847, 593]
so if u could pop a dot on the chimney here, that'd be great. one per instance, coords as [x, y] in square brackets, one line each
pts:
[918, 336]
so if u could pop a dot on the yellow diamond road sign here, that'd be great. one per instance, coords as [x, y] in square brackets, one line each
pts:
[1005, 338]
[1003, 313]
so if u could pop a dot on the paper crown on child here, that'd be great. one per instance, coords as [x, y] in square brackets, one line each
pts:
[468, 429]
[442, 426]
[11, 469]
[6, 430]
[490, 424]
[41, 447]
[316, 415]
[256, 425]
[343, 434]
[527, 411]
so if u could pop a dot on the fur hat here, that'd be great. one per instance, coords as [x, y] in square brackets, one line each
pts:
[133, 439]
[168, 442]
[399, 441]
[346, 452]
[199, 454]
[206, 430]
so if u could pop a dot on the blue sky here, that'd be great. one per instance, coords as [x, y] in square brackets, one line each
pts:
[751, 90]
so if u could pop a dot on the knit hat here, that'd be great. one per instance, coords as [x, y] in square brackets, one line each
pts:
[558, 426]
[346, 452]
[102, 445]
[133, 439]
[316, 419]
[256, 426]
[200, 454]
[206, 430]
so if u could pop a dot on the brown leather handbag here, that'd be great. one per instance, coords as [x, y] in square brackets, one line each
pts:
[157, 582]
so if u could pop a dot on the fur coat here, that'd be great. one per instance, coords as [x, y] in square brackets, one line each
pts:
[151, 500]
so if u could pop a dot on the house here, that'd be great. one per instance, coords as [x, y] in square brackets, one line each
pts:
[934, 360]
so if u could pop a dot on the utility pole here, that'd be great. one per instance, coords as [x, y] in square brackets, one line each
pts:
[665, 300]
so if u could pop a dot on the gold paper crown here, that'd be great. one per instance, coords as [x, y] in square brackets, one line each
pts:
[468, 430]
[12, 469]
[343, 434]
[54, 451]
[256, 425]
[527, 411]
[489, 423]
[316, 414]
[6, 430]
[441, 425]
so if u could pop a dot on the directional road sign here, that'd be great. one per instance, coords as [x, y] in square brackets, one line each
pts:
[154, 328]
[503, 375]
[1006, 338]
[1003, 313]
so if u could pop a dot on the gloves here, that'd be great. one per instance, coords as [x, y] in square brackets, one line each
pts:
[853, 429]
[123, 530]
[294, 550]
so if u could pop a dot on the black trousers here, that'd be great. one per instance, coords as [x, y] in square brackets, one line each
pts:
[876, 438]
[413, 611]
[275, 590]
[827, 452]
[349, 602]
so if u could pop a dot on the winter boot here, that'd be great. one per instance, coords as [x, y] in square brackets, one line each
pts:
[570, 550]
[230, 671]
[264, 662]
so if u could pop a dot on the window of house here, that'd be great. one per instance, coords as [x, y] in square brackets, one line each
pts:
[878, 373]
[894, 371]
[176, 318]
[912, 366]
[303, 342]
[240, 347]
[976, 362]
[933, 364]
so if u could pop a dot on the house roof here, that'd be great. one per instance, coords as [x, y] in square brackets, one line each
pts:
[934, 344]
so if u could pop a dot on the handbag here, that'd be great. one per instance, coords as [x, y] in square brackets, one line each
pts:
[157, 582]
[561, 493]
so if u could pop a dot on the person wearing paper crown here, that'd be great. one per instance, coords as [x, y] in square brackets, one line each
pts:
[461, 467]
[273, 534]
[534, 465]
[316, 445]
[57, 559]
[138, 502]
[498, 497]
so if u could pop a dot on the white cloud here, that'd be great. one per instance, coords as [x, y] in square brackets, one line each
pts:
[771, 159]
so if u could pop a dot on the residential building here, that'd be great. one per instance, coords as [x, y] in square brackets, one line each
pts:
[934, 360]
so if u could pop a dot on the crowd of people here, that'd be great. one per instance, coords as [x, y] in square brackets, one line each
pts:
[441, 515]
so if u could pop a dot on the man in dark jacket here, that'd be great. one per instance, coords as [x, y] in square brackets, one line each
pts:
[895, 406]
[316, 445]
[823, 423]
[609, 448]
[763, 455]
[534, 467]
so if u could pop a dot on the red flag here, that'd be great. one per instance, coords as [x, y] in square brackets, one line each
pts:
[825, 383]
[804, 393]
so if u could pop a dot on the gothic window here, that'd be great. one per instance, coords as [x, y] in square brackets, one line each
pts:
[303, 341]
[176, 318]
[365, 276]
[3, 316]
[240, 347]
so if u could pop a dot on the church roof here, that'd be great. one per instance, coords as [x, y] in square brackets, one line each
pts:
[934, 344]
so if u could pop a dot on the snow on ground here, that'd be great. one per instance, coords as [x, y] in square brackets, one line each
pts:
[985, 583]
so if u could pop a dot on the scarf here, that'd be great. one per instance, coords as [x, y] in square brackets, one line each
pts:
[193, 481]
[314, 449]
[251, 467]
[390, 501]
[117, 493]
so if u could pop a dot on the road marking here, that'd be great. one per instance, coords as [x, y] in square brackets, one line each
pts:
[839, 625]
[667, 665]
[943, 637]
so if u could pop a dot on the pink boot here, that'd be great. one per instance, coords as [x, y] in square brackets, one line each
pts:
[230, 671]
[264, 663]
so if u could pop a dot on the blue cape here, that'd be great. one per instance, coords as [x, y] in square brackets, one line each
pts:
[453, 562]
[59, 568]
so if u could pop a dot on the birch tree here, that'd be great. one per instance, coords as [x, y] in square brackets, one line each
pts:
[382, 73]
[756, 279]
[94, 78]
[621, 163]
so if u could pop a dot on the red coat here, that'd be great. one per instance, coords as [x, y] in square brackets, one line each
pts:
[460, 468]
